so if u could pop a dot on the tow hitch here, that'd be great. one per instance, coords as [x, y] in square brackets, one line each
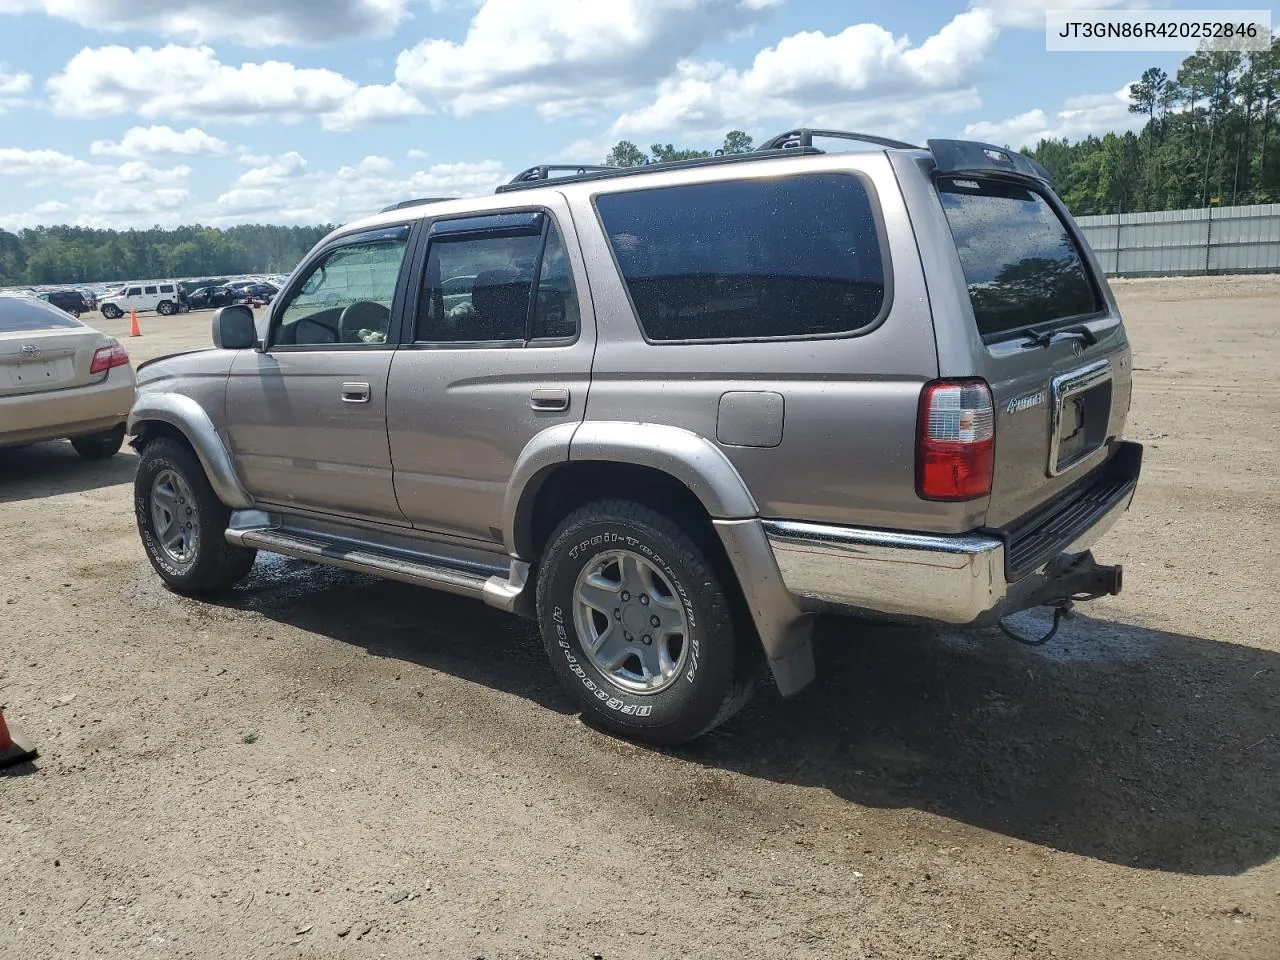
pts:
[1068, 579]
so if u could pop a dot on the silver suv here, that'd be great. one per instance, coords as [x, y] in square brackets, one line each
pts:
[672, 412]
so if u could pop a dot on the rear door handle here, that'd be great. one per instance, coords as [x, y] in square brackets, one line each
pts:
[355, 393]
[549, 398]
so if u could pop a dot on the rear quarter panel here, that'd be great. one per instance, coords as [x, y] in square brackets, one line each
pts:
[847, 451]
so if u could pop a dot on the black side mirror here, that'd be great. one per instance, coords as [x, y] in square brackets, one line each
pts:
[233, 328]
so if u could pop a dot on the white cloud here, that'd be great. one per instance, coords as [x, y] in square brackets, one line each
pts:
[1030, 13]
[134, 190]
[12, 84]
[549, 53]
[416, 154]
[353, 191]
[190, 81]
[160, 141]
[282, 168]
[250, 22]
[1092, 114]
[373, 104]
[862, 74]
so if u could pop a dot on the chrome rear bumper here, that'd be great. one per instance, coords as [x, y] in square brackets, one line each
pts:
[951, 579]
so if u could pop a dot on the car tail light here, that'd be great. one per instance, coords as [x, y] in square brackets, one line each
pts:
[104, 358]
[955, 449]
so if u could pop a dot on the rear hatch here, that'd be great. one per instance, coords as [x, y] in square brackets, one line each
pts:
[1042, 329]
[42, 349]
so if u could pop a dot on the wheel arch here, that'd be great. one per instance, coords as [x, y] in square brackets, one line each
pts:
[158, 414]
[572, 455]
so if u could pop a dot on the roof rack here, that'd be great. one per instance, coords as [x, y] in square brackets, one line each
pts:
[413, 203]
[803, 137]
[526, 179]
[544, 171]
[789, 144]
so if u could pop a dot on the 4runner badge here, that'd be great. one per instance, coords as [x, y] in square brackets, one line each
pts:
[1025, 403]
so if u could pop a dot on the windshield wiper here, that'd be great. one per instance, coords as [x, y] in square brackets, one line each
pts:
[1081, 333]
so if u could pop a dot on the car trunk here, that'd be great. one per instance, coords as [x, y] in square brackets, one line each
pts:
[1053, 348]
[35, 361]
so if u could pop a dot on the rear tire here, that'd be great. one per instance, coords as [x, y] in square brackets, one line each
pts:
[183, 524]
[667, 684]
[100, 446]
[164, 308]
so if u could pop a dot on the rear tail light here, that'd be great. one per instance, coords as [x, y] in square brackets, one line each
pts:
[955, 449]
[104, 358]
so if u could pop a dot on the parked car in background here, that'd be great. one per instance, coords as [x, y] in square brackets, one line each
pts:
[258, 294]
[70, 301]
[205, 298]
[60, 379]
[155, 296]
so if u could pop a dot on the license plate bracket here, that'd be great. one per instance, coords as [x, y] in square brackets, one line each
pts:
[1080, 408]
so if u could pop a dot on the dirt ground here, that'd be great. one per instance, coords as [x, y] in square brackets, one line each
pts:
[331, 766]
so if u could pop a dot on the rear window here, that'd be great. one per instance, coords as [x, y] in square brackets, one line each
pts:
[749, 259]
[20, 315]
[1020, 263]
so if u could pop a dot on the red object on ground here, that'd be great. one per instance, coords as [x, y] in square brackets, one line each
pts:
[12, 750]
[134, 329]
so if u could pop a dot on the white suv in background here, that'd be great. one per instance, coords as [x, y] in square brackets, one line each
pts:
[160, 297]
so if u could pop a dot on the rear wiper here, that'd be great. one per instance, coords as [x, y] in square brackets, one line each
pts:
[1081, 333]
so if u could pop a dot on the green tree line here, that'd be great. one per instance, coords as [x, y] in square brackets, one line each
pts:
[78, 255]
[1210, 139]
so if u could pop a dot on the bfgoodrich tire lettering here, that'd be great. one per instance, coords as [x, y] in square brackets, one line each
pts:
[215, 565]
[717, 671]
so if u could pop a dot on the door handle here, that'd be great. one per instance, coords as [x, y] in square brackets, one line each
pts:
[549, 398]
[355, 393]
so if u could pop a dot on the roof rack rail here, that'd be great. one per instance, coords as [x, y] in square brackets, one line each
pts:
[413, 203]
[529, 178]
[544, 171]
[803, 137]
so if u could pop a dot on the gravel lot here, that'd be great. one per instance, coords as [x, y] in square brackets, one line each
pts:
[330, 766]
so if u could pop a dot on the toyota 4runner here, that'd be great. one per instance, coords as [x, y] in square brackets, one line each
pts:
[672, 412]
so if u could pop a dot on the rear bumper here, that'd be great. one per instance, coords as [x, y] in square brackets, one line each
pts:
[959, 579]
[75, 411]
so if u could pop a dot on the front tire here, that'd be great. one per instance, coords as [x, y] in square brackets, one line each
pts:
[112, 312]
[183, 524]
[100, 446]
[639, 627]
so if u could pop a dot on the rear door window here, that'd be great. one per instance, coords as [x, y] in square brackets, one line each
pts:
[749, 259]
[1020, 263]
[150, 291]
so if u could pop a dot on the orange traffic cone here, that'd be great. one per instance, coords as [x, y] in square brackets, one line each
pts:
[134, 330]
[12, 751]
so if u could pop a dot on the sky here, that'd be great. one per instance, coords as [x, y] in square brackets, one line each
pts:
[134, 113]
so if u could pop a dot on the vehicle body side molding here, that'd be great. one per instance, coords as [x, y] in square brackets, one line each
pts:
[187, 416]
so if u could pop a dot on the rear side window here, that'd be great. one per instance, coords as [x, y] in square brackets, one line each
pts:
[1020, 263]
[166, 289]
[749, 259]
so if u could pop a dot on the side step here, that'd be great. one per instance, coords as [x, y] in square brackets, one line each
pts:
[434, 575]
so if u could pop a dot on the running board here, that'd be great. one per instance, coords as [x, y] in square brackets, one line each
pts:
[435, 576]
